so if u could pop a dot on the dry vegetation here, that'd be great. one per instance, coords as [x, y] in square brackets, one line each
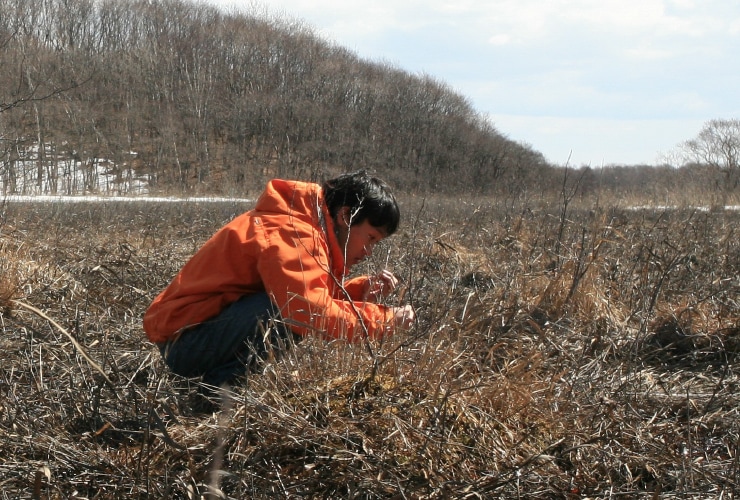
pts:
[559, 354]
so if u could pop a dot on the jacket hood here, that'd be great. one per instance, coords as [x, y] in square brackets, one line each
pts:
[303, 201]
[294, 198]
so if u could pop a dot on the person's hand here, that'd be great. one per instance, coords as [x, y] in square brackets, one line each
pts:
[381, 285]
[404, 317]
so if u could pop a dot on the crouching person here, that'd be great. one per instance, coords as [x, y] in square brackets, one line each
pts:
[276, 273]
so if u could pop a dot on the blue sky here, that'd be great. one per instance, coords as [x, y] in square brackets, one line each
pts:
[589, 82]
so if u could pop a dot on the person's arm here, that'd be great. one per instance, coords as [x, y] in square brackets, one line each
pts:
[296, 273]
[372, 288]
[356, 287]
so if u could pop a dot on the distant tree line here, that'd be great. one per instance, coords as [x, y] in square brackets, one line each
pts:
[194, 99]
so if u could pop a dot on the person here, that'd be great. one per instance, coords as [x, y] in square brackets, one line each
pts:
[277, 273]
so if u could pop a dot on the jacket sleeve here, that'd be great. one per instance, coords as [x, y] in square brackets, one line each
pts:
[296, 272]
[356, 287]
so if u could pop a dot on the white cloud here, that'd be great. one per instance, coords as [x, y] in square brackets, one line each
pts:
[734, 27]
[590, 141]
[500, 39]
[683, 4]
[648, 53]
[584, 65]
[618, 13]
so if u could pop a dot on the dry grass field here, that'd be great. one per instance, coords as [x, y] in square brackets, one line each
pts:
[579, 353]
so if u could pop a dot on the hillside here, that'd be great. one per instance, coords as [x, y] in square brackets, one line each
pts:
[198, 100]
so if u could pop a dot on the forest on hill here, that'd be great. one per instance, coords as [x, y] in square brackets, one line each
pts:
[185, 98]
[213, 101]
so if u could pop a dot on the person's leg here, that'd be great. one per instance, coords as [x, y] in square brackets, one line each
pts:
[224, 347]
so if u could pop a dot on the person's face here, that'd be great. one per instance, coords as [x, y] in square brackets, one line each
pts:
[357, 241]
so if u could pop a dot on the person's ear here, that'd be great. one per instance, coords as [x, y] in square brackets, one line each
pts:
[343, 217]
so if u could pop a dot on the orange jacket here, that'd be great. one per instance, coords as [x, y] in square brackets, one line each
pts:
[285, 246]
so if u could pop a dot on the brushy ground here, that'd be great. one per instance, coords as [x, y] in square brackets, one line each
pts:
[559, 353]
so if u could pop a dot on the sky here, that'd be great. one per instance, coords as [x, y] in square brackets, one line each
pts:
[584, 82]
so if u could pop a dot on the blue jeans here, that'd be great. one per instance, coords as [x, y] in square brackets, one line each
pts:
[224, 347]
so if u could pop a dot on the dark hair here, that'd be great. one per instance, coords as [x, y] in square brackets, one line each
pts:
[367, 197]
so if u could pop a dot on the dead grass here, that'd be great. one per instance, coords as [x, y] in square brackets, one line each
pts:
[592, 355]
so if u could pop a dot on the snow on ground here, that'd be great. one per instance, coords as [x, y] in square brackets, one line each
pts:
[224, 199]
[99, 198]
[670, 207]
[60, 178]
[59, 172]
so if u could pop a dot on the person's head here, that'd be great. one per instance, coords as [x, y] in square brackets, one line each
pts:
[364, 211]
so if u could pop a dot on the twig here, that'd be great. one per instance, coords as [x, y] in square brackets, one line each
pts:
[77, 345]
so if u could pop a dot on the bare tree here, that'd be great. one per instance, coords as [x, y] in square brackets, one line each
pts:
[717, 145]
